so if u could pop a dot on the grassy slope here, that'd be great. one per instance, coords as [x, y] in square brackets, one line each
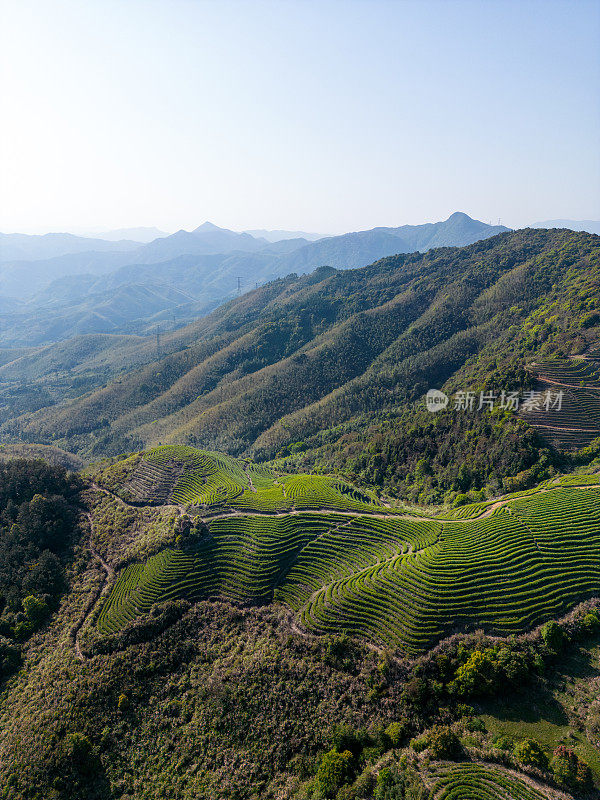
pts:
[223, 703]
[341, 560]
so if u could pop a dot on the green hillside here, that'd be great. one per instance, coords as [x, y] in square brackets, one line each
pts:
[217, 623]
[176, 279]
[328, 370]
[343, 561]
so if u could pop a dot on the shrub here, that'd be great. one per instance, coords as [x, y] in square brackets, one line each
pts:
[475, 724]
[553, 636]
[503, 742]
[416, 692]
[23, 628]
[384, 781]
[568, 769]
[396, 733]
[584, 775]
[79, 752]
[593, 719]
[512, 664]
[36, 610]
[364, 785]
[10, 657]
[478, 675]
[370, 755]
[346, 738]
[333, 771]
[590, 623]
[530, 753]
[123, 703]
[444, 743]
[460, 500]
[419, 744]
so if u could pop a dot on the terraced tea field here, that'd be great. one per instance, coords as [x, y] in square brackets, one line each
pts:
[482, 782]
[577, 423]
[186, 476]
[396, 580]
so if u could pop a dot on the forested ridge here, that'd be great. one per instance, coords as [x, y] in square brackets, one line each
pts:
[340, 358]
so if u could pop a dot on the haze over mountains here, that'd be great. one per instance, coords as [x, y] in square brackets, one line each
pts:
[56, 286]
[276, 236]
[587, 225]
[143, 235]
[21, 247]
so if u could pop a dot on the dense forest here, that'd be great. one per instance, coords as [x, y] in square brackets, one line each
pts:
[38, 529]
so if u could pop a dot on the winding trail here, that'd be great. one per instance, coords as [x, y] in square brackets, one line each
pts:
[109, 575]
[247, 471]
[234, 512]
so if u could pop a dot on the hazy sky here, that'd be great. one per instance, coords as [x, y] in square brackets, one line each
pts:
[323, 116]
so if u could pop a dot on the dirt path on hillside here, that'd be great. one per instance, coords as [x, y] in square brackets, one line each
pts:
[247, 471]
[109, 575]
[542, 379]
[333, 512]
[572, 430]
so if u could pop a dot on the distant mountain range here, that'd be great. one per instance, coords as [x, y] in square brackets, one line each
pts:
[21, 247]
[183, 276]
[587, 225]
[276, 236]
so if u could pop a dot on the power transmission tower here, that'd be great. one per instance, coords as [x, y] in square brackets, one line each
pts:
[158, 341]
[239, 285]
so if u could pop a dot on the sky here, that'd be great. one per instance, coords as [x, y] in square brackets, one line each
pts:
[326, 116]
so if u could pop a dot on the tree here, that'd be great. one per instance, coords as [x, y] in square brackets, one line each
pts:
[10, 657]
[553, 636]
[444, 743]
[46, 576]
[384, 781]
[80, 753]
[346, 738]
[530, 753]
[478, 675]
[568, 769]
[36, 610]
[333, 771]
[396, 732]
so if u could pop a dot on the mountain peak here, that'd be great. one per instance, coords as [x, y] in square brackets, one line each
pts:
[459, 216]
[207, 227]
